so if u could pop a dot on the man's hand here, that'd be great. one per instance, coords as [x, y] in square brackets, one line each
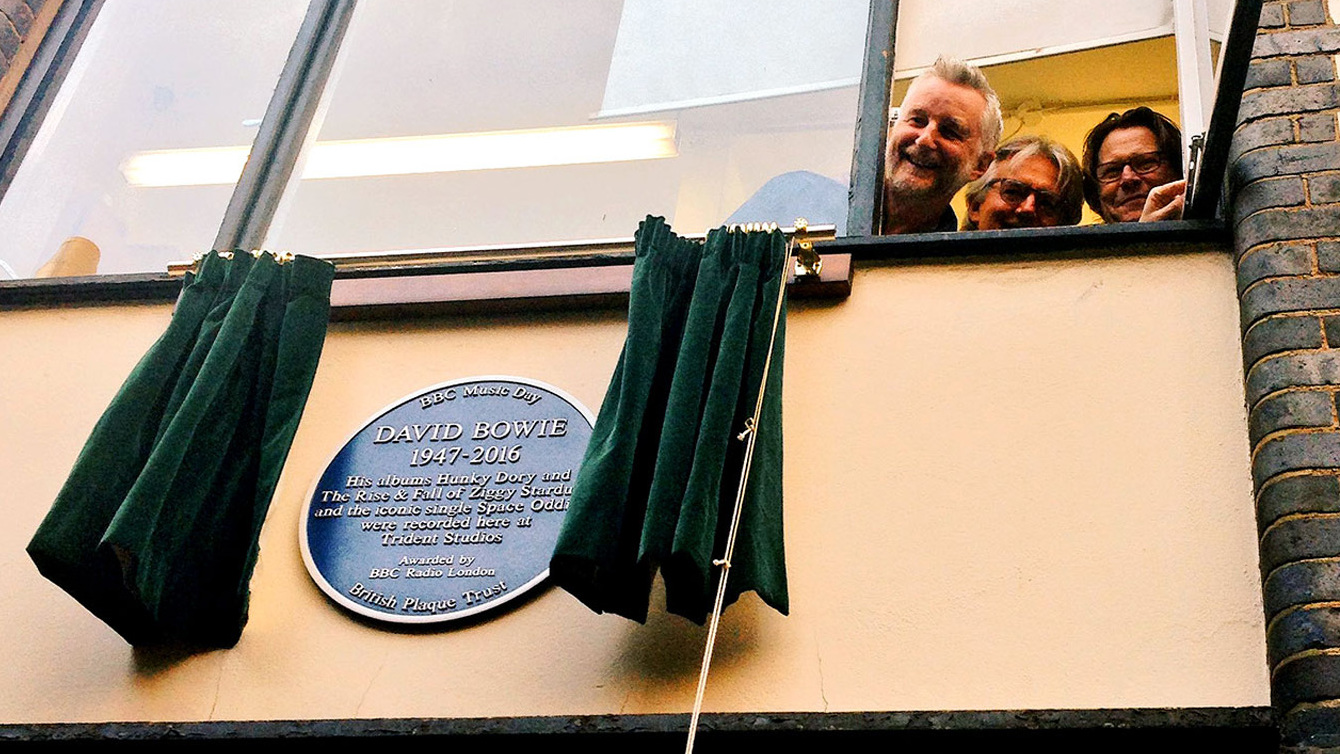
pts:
[1164, 202]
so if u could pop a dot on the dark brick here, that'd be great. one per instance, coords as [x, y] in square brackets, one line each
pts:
[1310, 730]
[1301, 42]
[1301, 584]
[1275, 192]
[1289, 224]
[1300, 408]
[1289, 295]
[1312, 678]
[1272, 16]
[1307, 628]
[1300, 539]
[1306, 13]
[1328, 257]
[1307, 369]
[1311, 450]
[1311, 493]
[1274, 260]
[1331, 326]
[1280, 334]
[19, 14]
[9, 41]
[1293, 99]
[1315, 69]
[1293, 159]
[1323, 188]
[1317, 127]
[1272, 72]
[1262, 133]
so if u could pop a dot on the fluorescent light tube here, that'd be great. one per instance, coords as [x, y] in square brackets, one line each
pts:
[407, 155]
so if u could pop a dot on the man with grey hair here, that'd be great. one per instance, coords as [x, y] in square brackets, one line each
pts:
[1033, 182]
[941, 138]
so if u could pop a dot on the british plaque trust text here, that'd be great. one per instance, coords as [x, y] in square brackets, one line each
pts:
[463, 487]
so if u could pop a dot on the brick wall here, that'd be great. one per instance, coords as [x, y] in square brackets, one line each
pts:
[1285, 181]
[22, 24]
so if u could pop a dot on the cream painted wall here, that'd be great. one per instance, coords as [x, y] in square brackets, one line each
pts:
[1009, 485]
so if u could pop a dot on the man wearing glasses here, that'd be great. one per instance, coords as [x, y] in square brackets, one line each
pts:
[1133, 168]
[1033, 182]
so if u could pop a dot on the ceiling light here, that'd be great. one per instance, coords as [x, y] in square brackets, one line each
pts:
[444, 153]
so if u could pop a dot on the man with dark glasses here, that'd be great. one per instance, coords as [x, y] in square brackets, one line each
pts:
[1133, 167]
[1033, 182]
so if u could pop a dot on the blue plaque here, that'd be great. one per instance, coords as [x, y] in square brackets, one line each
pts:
[448, 503]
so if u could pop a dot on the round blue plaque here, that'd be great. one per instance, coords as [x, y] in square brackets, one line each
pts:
[448, 503]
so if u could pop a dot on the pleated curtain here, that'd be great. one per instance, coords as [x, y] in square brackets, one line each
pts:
[156, 529]
[657, 486]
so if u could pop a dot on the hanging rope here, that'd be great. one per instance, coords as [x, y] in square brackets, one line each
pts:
[750, 436]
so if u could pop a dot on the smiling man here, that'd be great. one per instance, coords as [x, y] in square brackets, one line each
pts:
[1133, 167]
[941, 139]
[1034, 182]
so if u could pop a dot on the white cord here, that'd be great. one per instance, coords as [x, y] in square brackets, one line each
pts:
[749, 435]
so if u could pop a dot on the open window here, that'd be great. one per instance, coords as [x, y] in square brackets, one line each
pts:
[1061, 67]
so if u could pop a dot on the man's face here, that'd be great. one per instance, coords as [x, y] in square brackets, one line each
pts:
[1022, 194]
[935, 145]
[1129, 165]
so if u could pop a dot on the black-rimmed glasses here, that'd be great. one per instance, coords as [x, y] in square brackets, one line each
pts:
[1015, 193]
[1142, 164]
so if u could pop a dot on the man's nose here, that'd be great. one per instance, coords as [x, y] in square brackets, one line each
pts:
[1128, 174]
[926, 137]
[1028, 206]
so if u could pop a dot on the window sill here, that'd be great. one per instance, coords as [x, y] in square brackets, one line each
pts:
[1070, 242]
[602, 281]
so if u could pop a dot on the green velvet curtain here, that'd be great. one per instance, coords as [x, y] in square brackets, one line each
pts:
[658, 483]
[156, 529]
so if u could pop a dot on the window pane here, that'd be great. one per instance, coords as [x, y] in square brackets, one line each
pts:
[1059, 66]
[496, 122]
[143, 144]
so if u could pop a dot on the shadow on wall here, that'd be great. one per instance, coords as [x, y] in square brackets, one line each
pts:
[670, 649]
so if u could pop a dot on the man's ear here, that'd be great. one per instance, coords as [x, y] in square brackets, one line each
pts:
[974, 212]
[983, 162]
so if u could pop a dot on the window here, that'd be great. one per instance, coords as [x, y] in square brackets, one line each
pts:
[514, 122]
[330, 127]
[1061, 66]
[191, 76]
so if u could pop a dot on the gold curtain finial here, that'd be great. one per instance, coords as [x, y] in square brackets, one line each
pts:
[808, 262]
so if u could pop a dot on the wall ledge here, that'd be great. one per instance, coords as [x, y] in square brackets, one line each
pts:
[1238, 728]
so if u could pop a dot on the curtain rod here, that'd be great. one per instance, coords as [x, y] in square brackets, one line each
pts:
[803, 233]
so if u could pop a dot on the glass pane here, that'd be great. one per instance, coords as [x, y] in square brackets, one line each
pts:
[498, 122]
[143, 144]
